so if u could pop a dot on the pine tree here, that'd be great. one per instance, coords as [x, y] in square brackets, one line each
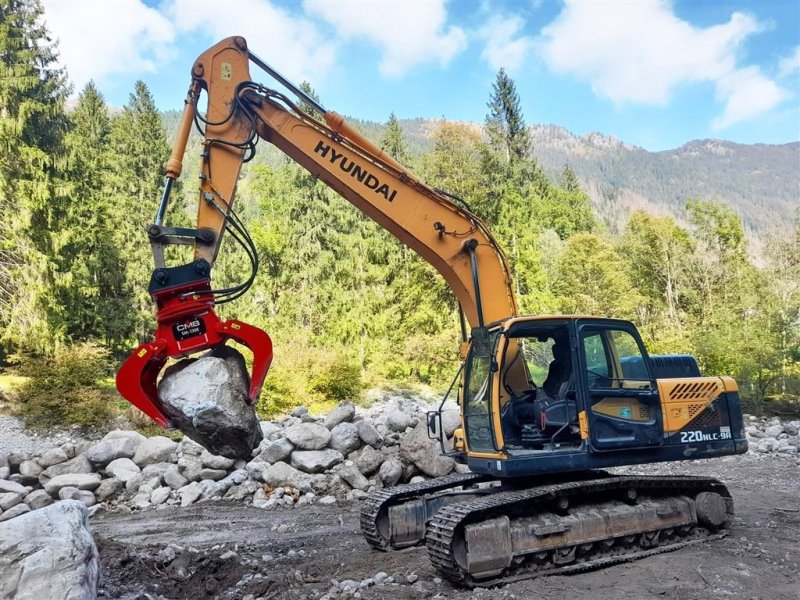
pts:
[305, 107]
[138, 152]
[392, 141]
[32, 125]
[505, 124]
[89, 279]
[569, 180]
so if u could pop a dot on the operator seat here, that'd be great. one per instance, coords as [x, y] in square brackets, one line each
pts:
[553, 409]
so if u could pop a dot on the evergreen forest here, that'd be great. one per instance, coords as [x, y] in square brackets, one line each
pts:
[348, 307]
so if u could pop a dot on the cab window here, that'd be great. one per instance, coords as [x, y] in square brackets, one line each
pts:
[630, 357]
[598, 367]
[477, 406]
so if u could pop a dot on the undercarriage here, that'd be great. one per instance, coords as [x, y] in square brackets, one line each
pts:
[481, 531]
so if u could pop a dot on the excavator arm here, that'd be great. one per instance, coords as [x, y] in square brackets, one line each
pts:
[444, 231]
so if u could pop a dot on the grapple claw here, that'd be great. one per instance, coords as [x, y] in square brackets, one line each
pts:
[187, 324]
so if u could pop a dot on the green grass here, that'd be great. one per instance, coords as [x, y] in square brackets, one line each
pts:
[10, 384]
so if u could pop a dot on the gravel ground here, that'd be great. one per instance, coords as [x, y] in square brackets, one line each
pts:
[229, 551]
[15, 438]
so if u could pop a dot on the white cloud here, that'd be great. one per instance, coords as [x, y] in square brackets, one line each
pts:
[292, 44]
[747, 93]
[98, 38]
[504, 46]
[790, 64]
[640, 52]
[408, 34]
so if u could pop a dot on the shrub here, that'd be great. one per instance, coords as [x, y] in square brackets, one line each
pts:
[338, 380]
[302, 375]
[66, 389]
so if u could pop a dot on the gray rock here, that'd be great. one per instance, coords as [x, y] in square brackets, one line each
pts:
[308, 436]
[327, 500]
[276, 451]
[134, 483]
[190, 493]
[451, 418]
[345, 438]
[13, 486]
[9, 499]
[240, 492]
[49, 553]
[369, 460]
[14, 511]
[157, 470]
[190, 467]
[256, 468]
[154, 450]
[52, 457]
[343, 412]
[123, 469]
[79, 464]
[173, 477]
[417, 448]
[38, 499]
[212, 461]
[108, 488]
[773, 431]
[262, 500]
[125, 433]
[316, 461]
[397, 420]
[391, 471]
[15, 459]
[212, 474]
[268, 428]
[105, 451]
[71, 493]
[208, 400]
[368, 433]
[82, 481]
[30, 470]
[299, 411]
[214, 489]
[159, 496]
[281, 474]
[188, 447]
[409, 470]
[351, 474]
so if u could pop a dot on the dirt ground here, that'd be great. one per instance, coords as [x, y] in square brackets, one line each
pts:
[227, 550]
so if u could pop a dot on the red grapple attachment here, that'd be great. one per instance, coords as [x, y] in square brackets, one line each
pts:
[187, 323]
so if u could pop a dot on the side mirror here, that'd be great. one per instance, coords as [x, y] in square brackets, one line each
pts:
[481, 342]
[433, 430]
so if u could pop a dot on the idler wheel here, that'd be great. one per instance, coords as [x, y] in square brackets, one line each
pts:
[711, 509]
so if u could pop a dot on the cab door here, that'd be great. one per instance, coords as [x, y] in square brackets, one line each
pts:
[622, 403]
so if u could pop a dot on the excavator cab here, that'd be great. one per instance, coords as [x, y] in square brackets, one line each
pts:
[558, 394]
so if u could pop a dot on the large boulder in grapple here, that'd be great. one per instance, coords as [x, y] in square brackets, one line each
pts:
[206, 398]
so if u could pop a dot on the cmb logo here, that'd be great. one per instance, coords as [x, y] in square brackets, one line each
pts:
[183, 327]
[191, 327]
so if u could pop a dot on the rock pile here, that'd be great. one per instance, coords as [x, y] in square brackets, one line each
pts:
[773, 436]
[300, 460]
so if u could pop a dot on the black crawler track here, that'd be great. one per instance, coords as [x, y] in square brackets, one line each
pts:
[375, 505]
[447, 525]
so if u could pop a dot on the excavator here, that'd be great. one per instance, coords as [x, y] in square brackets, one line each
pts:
[546, 402]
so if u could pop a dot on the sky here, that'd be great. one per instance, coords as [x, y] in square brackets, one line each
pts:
[652, 73]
